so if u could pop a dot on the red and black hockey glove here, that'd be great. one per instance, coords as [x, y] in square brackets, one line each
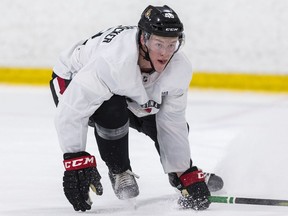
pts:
[194, 190]
[81, 173]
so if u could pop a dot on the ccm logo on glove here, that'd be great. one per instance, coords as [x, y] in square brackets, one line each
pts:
[79, 163]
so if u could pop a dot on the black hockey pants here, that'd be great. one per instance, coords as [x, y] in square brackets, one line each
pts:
[112, 121]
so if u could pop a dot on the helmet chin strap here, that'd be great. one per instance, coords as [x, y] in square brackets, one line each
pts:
[147, 57]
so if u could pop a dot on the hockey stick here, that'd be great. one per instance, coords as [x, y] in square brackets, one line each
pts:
[251, 201]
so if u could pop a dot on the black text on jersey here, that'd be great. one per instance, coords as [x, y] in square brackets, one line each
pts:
[108, 38]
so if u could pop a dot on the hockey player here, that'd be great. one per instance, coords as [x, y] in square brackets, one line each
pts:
[126, 76]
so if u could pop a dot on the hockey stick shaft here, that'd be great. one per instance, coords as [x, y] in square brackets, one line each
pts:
[251, 201]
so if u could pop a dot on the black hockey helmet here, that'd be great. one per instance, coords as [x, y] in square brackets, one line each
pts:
[161, 21]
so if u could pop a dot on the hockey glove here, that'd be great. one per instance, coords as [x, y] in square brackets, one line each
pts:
[194, 191]
[81, 173]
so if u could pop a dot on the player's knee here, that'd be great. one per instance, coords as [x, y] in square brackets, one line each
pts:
[114, 133]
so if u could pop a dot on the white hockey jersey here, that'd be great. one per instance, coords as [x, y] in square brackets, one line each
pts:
[107, 64]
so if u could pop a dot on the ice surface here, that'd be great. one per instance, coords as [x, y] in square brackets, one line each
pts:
[241, 136]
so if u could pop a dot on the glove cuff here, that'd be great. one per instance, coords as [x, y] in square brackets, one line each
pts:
[75, 155]
[191, 176]
[80, 160]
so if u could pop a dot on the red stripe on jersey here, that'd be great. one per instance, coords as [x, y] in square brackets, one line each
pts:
[148, 110]
[62, 84]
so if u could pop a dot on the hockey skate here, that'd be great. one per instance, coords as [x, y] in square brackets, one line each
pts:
[124, 184]
[214, 182]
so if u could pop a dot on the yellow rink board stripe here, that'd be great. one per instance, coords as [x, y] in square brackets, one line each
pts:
[241, 81]
[25, 76]
[201, 79]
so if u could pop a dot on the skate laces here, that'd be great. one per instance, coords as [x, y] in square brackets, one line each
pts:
[125, 179]
[132, 173]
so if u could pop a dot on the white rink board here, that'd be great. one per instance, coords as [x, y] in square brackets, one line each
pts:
[223, 35]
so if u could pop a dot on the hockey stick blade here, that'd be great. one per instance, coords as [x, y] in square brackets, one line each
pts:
[249, 201]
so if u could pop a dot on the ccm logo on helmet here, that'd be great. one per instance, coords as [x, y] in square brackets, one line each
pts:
[172, 29]
[80, 163]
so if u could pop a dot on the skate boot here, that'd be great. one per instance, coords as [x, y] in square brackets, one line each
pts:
[214, 182]
[124, 184]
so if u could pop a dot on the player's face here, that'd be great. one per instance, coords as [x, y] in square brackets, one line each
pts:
[161, 50]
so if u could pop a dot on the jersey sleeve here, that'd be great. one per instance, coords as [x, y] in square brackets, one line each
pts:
[93, 84]
[172, 133]
[81, 99]
[69, 62]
